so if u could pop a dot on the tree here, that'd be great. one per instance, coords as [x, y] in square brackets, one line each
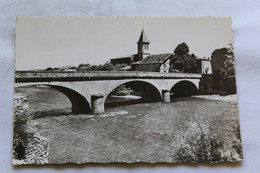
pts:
[182, 60]
[177, 63]
[107, 67]
[49, 69]
[84, 67]
[229, 63]
[182, 49]
[223, 68]
[94, 68]
[122, 91]
[72, 67]
[194, 66]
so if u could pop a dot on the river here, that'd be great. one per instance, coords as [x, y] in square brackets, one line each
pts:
[139, 132]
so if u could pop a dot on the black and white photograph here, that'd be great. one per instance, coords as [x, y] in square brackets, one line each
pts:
[125, 90]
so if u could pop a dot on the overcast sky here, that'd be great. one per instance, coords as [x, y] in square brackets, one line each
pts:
[43, 42]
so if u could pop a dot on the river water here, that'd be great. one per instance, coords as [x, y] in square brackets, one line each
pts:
[136, 132]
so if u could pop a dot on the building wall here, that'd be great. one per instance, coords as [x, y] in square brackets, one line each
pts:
[143, 48]
[207, 69]
[204, 66]
[164, 68]
[142, 51]
[206, 84]
[155, 67]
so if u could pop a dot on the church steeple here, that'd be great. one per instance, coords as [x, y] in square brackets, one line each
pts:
[142, 46]
[143, 38]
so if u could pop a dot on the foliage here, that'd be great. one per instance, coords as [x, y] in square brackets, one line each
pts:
[107, 67]
[87, 67]
[229, 63]
[181, 49]
[20, 138]
[197, 143]
[183, 61]
[223, 67]
[84, 67]
[49, 69]
[223, 62]
[72, 67]
[122, 91]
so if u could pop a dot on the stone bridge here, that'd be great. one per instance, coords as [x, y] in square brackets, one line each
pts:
[88, 91]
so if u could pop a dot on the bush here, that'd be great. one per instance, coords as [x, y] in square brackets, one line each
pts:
[20, 137]
[88, 67]
[196, 144]
[122, 91]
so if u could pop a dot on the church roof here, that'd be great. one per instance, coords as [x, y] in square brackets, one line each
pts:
[156, 58]
[143, 37]
[123, 57]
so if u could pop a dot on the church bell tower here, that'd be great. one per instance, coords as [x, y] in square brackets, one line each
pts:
[142, 47]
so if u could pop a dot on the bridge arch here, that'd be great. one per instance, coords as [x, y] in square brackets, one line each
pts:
[146, 90]
[184, 88]
[78, 101]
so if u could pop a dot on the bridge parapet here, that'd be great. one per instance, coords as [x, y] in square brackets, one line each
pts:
[24, 76]
[88, 91]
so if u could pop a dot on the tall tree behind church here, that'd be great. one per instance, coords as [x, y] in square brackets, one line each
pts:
[182, 60]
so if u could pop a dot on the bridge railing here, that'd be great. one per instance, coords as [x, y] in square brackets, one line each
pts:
[22, 75]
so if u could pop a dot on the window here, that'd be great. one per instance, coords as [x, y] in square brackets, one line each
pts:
[206, 71]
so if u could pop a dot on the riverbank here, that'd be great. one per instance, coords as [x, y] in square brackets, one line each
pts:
[228, 98]
[127, 97]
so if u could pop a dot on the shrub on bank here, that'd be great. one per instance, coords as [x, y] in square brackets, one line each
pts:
[122, 91]
[20, 136]
[199, 144]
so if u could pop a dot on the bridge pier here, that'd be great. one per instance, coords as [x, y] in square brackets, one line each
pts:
[98, 104]
[166, 96]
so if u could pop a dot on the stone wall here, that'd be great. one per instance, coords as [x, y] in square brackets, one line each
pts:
[98, 103]
[28, 147]
[37, 150]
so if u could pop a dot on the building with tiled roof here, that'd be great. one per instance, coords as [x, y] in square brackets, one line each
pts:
[154, 63]
[144, 61]
[127, 59]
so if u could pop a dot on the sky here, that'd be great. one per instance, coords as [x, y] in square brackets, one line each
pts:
[43, 42]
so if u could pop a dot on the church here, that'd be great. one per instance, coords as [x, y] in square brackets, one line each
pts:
[142, 52]
[144, 61]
